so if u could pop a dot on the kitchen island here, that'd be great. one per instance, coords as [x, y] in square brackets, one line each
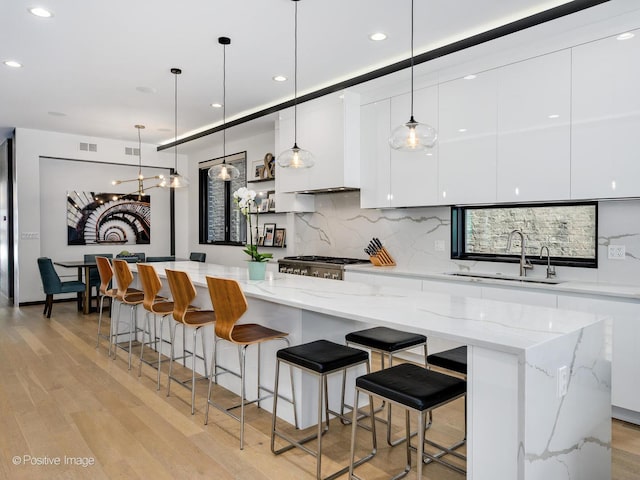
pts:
[538, 380]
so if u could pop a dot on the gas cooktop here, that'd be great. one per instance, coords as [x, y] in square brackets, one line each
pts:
[321, 259]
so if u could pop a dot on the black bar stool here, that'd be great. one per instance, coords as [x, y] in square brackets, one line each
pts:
[320, 358]
[415, 389]
[454, 360]
[386, 342]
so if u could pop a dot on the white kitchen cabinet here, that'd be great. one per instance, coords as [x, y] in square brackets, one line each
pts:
[414, 175]
[534, 129]
[519, 295]
[375, 155]
[623, 339]
[467, 140]
[461, 289]
[328, 127]
[606, 119]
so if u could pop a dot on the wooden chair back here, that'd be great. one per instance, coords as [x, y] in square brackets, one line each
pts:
[151, 285]
[229, 303]
[182, 291]
[124, 277]
[106, 274]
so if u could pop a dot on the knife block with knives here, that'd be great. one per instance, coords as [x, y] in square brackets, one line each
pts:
[378, 255]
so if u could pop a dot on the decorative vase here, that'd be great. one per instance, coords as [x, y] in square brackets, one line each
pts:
[257, 270]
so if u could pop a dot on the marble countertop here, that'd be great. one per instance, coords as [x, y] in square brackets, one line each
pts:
[501, 326]
[630, 292]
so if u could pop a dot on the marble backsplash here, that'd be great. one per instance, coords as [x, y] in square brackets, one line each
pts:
[339, 227]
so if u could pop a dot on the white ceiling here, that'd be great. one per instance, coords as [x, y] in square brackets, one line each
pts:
[88, 61]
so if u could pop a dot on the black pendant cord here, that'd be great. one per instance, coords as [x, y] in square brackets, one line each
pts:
[139, 152]
[412, 120]
[175, 121]
[295, 77]
[224, 104]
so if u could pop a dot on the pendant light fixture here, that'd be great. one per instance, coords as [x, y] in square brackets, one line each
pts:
[413, 136]
[295, 157]
[224, 172]
[141, 178]
[176, 180]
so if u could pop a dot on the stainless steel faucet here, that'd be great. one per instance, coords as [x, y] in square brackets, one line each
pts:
[551, 271]
[524, 263]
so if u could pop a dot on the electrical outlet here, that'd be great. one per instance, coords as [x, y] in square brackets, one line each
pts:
[616, 252]
[438, 245]
[563, 381]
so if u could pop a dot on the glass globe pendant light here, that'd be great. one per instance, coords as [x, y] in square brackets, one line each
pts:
[224, 172]
[176, 180]
[295, 157]
[413, 136]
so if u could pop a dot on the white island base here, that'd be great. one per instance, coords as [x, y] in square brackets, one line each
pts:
[520, 425]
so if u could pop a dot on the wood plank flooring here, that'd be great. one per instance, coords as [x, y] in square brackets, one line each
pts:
[61, 399]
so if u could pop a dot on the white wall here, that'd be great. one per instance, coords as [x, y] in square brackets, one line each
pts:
[256, 145]
[41, 197]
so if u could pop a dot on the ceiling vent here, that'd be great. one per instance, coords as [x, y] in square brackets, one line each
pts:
[131, 151]
[88, 147]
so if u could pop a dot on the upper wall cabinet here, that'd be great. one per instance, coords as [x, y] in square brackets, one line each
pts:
[467, 140]
[534, 129]
[375, 155]
[413, 176]
[329, 127]
[606, 119]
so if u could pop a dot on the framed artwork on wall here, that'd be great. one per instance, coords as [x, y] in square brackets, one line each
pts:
[108, 218]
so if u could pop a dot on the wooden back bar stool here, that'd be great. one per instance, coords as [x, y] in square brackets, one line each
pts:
[183, 293]
[154, 305]
[126, 296]
[230, 305]
[415, 389]
[386, 342]
[320, 358]
[105, 290]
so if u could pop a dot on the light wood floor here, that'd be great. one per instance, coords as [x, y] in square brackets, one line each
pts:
[60, 396]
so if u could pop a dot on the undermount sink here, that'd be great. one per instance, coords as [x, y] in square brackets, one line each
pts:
[509, 278]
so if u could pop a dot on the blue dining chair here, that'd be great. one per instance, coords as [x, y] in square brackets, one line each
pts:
[94, 276]
[198, 257]
[52, 285]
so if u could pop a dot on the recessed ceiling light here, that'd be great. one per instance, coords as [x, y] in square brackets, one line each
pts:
[12, 63]
[57, 114]
[554, 115]
[146, 89]
[625, 36]
[462, 130]
[378, 36]
[470, 77]
[280, 78]
[40, 12]
[216, 105]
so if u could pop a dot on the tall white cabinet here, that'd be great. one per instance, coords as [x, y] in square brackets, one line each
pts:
[605, 161]
[375, 155]
[467, 140]
[534, 129]
[413, 176]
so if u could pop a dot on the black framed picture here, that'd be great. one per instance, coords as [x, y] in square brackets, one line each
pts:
[269, 233]
[279, 237]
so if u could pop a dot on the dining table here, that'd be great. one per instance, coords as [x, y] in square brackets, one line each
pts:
[84, 269]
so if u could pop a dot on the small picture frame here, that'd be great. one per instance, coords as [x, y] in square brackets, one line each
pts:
[269, 233]
[257, 169]
[272, 201]
[279, 237]
[263, 205]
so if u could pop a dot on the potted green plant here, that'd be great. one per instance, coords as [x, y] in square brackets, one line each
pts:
[246, 201]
